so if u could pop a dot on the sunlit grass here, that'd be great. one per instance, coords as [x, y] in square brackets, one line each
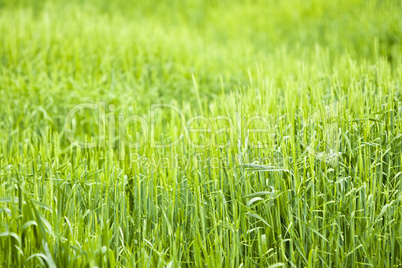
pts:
[318, 185]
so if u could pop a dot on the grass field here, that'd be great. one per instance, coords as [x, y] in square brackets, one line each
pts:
[200, 133]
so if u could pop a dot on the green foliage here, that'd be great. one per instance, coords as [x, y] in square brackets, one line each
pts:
[320, 186]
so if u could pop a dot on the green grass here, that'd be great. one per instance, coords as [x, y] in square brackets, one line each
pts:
[318, 186]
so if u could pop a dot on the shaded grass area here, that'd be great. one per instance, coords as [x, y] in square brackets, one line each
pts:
[318, 185]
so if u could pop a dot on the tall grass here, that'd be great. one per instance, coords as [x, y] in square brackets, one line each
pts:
[312, 181]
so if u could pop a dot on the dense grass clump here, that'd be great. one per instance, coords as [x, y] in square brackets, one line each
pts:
[200, 133]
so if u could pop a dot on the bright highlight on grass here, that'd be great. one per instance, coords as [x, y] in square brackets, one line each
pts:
[200, 133]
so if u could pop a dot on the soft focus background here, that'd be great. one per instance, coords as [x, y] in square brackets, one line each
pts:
[324, 190]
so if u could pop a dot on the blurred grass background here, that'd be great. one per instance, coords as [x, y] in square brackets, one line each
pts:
[69, 52]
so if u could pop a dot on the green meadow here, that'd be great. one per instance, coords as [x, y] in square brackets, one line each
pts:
[200, 133]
